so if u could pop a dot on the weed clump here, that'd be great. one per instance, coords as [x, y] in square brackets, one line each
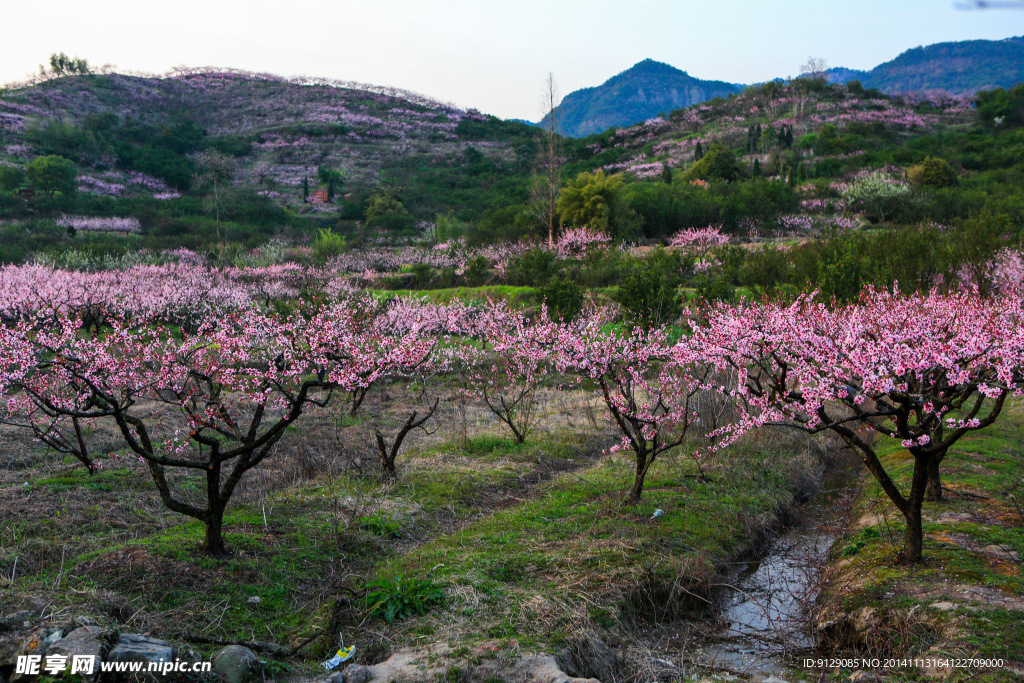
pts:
[400, 597]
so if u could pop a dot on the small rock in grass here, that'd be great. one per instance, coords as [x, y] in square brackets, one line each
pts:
[235, 663]
[355, 673]
[135, 648]
[864, 677]
[943, 606]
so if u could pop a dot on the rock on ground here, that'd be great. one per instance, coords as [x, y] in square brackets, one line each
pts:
[133, 648]
[85, 640]
[235, 663]
[428, 666]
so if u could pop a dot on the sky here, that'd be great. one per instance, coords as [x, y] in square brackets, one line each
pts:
[494, 55]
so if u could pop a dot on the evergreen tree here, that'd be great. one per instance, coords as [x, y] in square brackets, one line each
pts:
[792, 175]
[800, 174]
[757, 168]
[698, 153]
[666, 174]
[305, 190]
[789, 137]
[330, 189]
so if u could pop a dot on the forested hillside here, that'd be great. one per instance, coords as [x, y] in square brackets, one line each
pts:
[961, 68]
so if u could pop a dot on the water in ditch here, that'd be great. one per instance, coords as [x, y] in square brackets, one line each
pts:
[762, 627]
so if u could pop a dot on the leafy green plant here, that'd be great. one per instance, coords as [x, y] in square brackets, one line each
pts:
[272, 668]
[400, 597]
[328, 245]
[563, 297]
[648, 298]
[380, 525]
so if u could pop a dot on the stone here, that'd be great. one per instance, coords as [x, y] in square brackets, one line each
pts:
[864, 677]
[943, 606]
[543, 669]
[235, 664]
[1001, 553]
[12, 647]
[865, 619]
[354, 673]
[87, 641]
[335, 678]
[80, 621]
[136, 648]
[17, 620]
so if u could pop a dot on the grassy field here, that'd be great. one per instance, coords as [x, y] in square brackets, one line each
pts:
[967, 599]
[530, 543]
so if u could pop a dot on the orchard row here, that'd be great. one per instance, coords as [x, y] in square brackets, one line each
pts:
[923, 369]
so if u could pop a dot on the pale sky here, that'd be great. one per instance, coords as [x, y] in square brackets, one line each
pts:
[490, 54]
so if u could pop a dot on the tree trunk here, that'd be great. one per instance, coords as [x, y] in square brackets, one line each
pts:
[216, 204]
[214, 518]
[934, 490]
[913, 542]
[214, 541]
[637, 489]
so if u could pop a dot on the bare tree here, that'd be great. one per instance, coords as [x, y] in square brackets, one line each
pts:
[815, 67]
[214, 168]
[551, 177]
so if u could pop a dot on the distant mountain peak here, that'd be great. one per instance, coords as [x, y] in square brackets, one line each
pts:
[643, 91]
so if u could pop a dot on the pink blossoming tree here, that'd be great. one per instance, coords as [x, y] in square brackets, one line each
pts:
[226, 393]
[925, 370]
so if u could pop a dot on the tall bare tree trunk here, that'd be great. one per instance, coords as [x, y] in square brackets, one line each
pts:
[552, 179]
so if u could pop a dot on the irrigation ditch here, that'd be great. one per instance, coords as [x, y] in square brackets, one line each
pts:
[759, 621]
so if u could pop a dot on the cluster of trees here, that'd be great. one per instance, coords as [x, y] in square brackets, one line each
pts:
[47, 174]
[925, 370]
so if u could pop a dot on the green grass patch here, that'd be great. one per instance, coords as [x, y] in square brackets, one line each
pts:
[519, 296]
[970, 540]
[578, 533]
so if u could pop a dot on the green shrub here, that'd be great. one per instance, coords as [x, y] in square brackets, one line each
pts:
[933, 173]
[478, 269]
[534, 268]
[648, 298]
[400, 598]
[386, 211]
[563, 297]
[379, 525]
[718, 164]
[423, 274]
[328, 245]
[52, 174]
[11, 177]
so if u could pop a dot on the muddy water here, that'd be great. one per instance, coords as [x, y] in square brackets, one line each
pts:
[762, 627]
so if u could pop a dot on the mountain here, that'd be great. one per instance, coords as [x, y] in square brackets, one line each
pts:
[962, 68]
[133, 136]
[838, 74]
[642, 92]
